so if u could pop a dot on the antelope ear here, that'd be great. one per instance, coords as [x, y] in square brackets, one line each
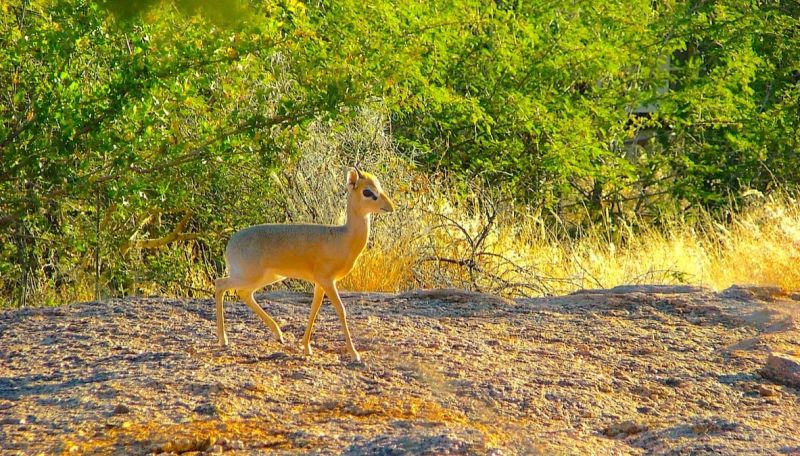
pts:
[352, 177]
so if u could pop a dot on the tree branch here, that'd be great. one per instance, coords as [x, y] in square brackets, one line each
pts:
[176, 235]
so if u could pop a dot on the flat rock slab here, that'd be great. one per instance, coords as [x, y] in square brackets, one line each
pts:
[631, 370]
[783, 368]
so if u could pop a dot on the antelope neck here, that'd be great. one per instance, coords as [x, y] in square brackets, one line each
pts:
[357, 228]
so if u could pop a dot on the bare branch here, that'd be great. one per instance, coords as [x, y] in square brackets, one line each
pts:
[176, 235]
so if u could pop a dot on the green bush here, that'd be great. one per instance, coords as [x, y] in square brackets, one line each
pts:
[134, 139]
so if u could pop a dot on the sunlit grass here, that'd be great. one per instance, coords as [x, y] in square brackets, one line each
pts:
[523, 255]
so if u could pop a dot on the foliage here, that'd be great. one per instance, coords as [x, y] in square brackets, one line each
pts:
[135, 136]
[546, 99]
[120, 128]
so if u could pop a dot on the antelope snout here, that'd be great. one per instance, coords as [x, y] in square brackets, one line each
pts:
[388, 205]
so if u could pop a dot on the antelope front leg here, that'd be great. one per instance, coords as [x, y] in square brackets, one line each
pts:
[316, 303]
[333, 295]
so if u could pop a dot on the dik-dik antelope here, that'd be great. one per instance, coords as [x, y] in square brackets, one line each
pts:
[322, 254]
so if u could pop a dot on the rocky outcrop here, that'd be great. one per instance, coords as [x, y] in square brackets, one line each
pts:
[639, 369]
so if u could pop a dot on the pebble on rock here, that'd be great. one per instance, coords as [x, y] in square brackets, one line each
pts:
[121, 409]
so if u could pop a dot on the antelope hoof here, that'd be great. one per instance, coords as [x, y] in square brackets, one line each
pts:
[223, 340]
[356, 357]
[307, 350]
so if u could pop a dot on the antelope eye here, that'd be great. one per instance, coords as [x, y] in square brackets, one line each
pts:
[368, 193]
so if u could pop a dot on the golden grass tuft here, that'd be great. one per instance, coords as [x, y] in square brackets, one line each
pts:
[762, 246]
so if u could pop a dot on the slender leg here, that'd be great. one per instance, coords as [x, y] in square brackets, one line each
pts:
[316, 303]
[333, 295]
[247, 297]
[220, 286]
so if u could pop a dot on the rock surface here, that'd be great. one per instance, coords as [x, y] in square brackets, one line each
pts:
[631, 370]
[783, 368]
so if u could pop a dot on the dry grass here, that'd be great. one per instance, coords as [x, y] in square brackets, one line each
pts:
[759, 247]
[522, 255]
[438, 238]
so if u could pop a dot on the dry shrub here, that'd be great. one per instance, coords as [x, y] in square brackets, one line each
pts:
[441, 238]
[313, 190]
